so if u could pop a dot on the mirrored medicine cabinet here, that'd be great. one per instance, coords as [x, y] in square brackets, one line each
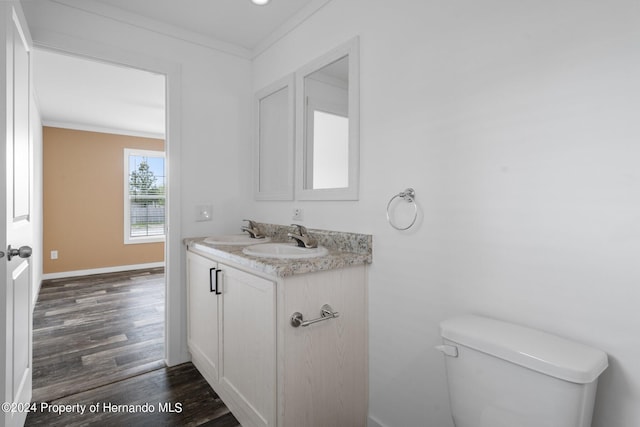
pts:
[274, 136]
[325, 110]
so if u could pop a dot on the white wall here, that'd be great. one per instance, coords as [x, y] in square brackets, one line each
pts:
[212, 94]
[215, 108]
[517, 124]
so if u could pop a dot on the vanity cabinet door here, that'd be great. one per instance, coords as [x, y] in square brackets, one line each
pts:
[203, 310]
[248, 365]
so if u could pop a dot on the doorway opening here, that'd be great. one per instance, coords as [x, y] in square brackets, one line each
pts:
[104, 249]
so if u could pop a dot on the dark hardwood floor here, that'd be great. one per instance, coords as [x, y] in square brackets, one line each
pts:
[99, 340]
[94, 330]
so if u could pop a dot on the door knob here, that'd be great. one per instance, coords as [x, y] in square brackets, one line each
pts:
[23, 252]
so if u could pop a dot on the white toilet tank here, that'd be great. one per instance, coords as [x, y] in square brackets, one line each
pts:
[505, 375]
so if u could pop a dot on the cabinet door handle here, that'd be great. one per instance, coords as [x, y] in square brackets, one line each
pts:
[218, 292]
[211, 287]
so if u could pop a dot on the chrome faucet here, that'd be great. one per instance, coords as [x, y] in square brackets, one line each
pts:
[303, 238]
[253, 229]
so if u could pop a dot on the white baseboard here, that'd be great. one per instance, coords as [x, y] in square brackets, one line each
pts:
[104, 270]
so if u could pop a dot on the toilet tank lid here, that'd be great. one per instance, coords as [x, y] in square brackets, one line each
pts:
[531, 348]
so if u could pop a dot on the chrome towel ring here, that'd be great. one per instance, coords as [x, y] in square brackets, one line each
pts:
[409, 195]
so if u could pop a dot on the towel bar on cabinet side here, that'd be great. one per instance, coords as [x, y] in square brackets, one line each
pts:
[326, 313]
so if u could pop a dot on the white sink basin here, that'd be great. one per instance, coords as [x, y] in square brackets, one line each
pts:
[284, 251]
[235, 240]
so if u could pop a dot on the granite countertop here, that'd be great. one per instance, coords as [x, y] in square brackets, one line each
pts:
[345, 249]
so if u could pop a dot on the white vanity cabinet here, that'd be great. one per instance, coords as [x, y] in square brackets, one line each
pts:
[231, 336]
[270, 373]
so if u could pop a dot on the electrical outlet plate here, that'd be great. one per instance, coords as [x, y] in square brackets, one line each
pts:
[204, 212]
[297, 214]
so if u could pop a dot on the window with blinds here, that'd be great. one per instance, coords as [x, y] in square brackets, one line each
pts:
[144, 194]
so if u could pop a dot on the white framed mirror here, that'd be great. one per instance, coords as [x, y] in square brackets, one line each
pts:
[328, 126]
[274, 111]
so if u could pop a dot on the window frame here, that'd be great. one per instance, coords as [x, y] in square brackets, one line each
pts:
[128, 239]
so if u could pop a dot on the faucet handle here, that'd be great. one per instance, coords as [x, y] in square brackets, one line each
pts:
[252, 224]
[253, 229]
[301, 229]
[303, 238]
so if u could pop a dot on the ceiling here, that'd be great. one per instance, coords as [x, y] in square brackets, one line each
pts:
[85, 93]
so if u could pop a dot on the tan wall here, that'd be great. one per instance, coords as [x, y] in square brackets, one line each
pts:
[84, 201]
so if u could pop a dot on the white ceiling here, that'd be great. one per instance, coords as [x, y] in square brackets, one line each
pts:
[78, 92]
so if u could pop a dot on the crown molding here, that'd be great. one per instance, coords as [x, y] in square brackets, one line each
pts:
[155, 26]
[139, 21]
[291, 24]
[101, 129]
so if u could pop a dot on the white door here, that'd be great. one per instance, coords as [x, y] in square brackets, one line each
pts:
[16, 233]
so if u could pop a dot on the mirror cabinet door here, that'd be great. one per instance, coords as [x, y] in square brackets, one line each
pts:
[326, 135]
[327, 126]
[274, 141]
